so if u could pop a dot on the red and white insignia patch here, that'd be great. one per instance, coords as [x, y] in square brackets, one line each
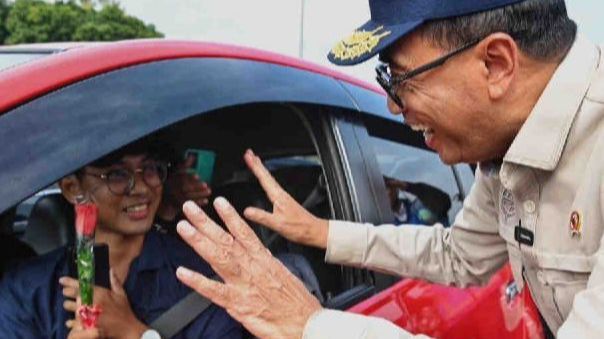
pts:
[575, 224]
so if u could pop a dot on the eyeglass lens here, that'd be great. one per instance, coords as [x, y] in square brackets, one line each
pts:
[383, 78]
[122, 181]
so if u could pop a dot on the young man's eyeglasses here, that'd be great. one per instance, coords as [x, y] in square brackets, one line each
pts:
[393, 83]
[121, 181]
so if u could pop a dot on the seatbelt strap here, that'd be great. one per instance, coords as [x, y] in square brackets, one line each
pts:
[180, 315]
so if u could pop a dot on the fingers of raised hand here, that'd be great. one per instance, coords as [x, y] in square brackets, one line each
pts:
[264, 218]
[217, 292]
[214, 245]
[205, 226]
[273, 190]
[240, 230]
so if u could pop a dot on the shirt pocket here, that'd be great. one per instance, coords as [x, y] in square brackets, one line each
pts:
[565, 276]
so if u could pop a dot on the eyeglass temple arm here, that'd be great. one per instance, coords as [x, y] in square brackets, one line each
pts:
[436, 63]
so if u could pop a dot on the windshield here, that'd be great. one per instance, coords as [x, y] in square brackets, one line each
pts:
[11, 59]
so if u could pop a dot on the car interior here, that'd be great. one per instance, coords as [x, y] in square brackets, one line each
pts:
[276, 132]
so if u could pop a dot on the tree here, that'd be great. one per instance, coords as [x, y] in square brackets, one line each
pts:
[4, 7]
[111, 23]
[40, 21]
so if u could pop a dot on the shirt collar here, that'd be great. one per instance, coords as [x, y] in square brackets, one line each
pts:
[542, 138]
[152, 256]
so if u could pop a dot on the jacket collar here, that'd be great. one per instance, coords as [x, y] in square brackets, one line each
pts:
[542, 138]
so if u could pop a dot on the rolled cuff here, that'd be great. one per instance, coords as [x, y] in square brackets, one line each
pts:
[329, 324]
[346, 242]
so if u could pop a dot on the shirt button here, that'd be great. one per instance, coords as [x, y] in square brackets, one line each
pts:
[529, 206]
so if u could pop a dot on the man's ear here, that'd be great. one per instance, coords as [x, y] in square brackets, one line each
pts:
[71, 188]
[500, 54]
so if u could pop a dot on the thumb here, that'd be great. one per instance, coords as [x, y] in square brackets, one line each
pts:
[262, 217]
[116, 284]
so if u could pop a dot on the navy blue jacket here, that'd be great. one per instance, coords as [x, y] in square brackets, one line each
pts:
[31, 300]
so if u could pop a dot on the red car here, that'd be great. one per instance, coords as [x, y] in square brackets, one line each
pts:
[326, 137]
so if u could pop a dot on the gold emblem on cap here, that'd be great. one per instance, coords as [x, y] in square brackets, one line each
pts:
[359, 43]
[575, 224]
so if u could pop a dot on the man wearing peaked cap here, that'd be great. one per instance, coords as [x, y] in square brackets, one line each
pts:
[506, 84]
[392, 20]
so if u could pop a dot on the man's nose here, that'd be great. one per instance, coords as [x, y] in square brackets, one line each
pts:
[393, 107]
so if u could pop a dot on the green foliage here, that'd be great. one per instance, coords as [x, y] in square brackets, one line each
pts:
[3, 13]
[30, 21]
[111, 23]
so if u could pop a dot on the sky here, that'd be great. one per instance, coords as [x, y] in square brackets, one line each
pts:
[275, 25]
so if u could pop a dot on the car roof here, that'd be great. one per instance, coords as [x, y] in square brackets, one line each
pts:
[84, 60]
[47, 47]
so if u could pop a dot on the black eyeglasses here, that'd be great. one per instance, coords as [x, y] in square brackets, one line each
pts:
[121, 181]
[393, 83]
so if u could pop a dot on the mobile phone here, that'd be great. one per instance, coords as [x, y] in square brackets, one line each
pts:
[101, 266]
[203, 164]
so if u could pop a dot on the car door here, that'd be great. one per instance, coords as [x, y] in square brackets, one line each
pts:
[205, 103]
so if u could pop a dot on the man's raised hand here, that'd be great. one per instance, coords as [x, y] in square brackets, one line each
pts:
[258, 290]
[288, 217]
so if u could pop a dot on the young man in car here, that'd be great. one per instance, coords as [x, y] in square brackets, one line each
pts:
[506, 84]
[37, 299]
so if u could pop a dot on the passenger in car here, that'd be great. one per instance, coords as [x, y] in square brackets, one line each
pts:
[37, 298]
[181, 186]
[417, 203]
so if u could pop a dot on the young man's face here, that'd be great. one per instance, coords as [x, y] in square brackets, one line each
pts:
[450, 103]
[128, 214]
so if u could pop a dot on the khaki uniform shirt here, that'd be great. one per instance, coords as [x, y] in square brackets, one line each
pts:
[550, 180]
